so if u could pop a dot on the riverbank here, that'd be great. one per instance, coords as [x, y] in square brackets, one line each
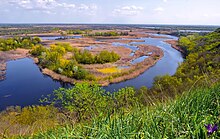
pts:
[174, 44]
[10, 55]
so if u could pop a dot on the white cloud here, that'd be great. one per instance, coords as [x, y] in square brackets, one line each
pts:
[87, 7]
[47, 6]
[159, 10]
[128, 10]
[65, 5]
[35, 4]
[164, 0]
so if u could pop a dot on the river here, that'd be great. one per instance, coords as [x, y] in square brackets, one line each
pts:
[25, 84]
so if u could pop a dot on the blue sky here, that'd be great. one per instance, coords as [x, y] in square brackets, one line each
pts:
[195, 12]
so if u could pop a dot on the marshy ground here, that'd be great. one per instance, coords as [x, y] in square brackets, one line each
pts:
[123, 69]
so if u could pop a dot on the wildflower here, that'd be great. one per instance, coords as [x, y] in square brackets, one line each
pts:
[211, 129]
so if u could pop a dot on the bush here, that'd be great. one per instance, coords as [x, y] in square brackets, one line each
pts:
[18, 42]
[85, 57]
[80, 74]
[91, 100]
[38, 50]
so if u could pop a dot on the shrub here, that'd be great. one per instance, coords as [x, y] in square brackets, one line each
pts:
[18, 42]
[38, 50]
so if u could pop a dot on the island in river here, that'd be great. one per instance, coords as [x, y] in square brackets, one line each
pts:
[134, 58]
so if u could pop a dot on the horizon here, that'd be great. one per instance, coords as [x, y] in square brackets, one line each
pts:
[144, 12]
[110, 24]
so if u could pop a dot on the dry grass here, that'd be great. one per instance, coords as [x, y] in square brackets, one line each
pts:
[109, 70]
[13, 54]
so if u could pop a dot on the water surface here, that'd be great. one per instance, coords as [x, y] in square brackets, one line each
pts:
[25, 84]
[59, 37]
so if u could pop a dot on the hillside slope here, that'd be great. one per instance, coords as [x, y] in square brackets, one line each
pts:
[184, 117]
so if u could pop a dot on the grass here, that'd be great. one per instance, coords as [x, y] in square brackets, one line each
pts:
[181, 118]
[109, 70]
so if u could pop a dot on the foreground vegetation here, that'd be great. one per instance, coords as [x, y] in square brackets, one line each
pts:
[184, 117]
[117, 115]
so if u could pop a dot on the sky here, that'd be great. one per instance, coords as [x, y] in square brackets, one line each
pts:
[184, 12]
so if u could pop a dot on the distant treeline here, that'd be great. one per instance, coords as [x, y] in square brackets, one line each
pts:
[20, 31]
[78, 31]
[107, 34]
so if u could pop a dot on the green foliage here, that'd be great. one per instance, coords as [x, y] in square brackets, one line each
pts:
[38, 50]
[75, 32]
[18, 42]
[85, 57]
[202, 62]
[81, 74]
[106, 57]
[182, 118]
[187, 43]
[91, 100]
[52, 59]
[83, 99]
[125, 98]
[167, 84]
[217, 30]
[66, 46]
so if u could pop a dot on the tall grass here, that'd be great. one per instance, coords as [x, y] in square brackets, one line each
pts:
[183, 117]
